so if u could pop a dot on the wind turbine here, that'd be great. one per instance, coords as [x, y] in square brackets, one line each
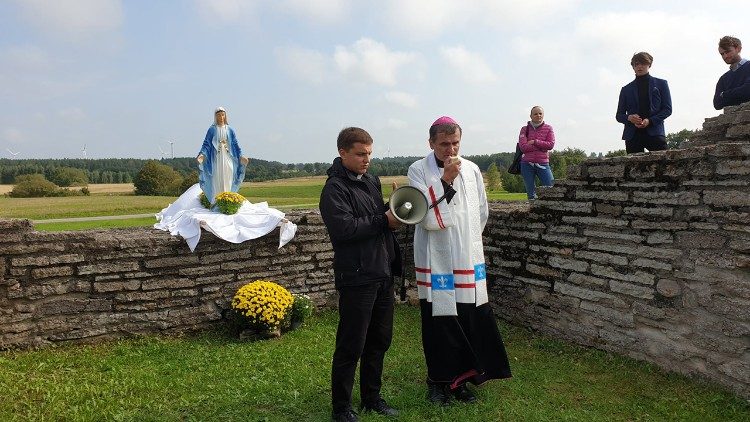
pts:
[83, 150]
[163, 154]
[171, 147]
[12, 153]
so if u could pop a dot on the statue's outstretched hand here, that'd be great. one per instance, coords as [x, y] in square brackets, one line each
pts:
[200, 158]
[244, 160]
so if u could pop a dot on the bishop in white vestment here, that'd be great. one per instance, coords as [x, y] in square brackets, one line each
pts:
[459, 332]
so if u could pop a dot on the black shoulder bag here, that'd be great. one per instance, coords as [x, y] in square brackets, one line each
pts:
[515, 166]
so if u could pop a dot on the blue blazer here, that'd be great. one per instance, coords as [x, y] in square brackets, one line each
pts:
[661, 107]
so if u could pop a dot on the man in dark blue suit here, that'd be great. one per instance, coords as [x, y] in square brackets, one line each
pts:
[644, 104]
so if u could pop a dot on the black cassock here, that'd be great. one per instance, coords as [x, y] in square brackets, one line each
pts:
[463, 348]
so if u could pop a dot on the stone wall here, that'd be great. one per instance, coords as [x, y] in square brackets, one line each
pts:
[646, 255]
[90, 285]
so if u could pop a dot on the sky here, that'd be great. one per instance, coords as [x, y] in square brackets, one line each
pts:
[121, 79]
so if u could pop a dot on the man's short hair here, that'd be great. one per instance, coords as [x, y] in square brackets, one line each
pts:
[448, 129]
[642, 58]
[350, 136]
[729, 41]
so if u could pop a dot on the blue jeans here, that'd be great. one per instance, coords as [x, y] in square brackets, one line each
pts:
[530, 171]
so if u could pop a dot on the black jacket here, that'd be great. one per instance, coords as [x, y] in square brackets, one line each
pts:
[364, 248]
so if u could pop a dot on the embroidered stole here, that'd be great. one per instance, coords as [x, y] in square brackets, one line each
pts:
[452, 269]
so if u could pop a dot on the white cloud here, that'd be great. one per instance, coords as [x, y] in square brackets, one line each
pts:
[372, 61]
[431, 18]
[25, 58]
[396, 124]
[584, 100]
[608, 78]
[72, 114]
[425, 18]
[612, 35]
[319, 11]
[401, 98]
[303, 64]
[471, 66]
[227, 11]
[73, 18]
[13, 136]
[520, 14]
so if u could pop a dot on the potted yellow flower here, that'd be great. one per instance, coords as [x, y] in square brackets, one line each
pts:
[261, 309]
[226, 202]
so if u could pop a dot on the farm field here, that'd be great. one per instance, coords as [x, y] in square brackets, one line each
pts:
[118, 200]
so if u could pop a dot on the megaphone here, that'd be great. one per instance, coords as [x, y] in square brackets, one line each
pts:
[408, 205]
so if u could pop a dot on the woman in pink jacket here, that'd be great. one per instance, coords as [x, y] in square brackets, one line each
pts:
[536, 140]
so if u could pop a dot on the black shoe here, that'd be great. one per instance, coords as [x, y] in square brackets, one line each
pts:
[380, 407]
[436, 393]
[463, 394]
[347, 415]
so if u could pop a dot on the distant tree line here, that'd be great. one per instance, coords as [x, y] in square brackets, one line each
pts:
[125, 170]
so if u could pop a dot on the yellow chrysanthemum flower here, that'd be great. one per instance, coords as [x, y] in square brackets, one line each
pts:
[265, 303]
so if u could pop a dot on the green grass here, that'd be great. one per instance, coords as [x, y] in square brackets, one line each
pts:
[505, 196]
[96, 224]
[81, 206]
[212, 377]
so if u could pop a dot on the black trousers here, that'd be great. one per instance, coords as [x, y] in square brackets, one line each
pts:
[643, 140]
[364, 334]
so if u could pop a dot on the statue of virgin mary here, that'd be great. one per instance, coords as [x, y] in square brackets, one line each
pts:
[221, 166]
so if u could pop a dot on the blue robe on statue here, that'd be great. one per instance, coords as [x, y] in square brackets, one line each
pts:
[210, 152]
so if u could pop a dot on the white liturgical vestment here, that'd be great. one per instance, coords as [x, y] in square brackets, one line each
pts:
[448, 249]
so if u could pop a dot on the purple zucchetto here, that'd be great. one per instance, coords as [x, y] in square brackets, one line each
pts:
[444, 120]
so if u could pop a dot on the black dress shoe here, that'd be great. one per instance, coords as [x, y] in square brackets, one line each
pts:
[347, 415]
[436, 393]
[463, 394]
[380, 407]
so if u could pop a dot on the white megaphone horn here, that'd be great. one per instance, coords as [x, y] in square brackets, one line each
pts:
[409, 205]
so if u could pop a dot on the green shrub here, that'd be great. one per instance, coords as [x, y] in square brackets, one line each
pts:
[512, 182]
[189, 181]
[493, 178]
[157, 179]
[33, 186]
[68, 176]
[36, 186]
[302, 308]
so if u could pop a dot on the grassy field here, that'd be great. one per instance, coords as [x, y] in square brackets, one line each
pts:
[118, 199]
[95, 224]
[213, 377]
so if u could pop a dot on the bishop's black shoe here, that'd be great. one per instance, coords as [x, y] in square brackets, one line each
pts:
[346, 415]
[436, 393]
[380, 407]
[463, 394]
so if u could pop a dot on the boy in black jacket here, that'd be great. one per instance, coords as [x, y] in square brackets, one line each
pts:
[366, 257]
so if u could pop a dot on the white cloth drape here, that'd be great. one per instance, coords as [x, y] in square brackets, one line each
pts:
[186, 216]
[448, 250]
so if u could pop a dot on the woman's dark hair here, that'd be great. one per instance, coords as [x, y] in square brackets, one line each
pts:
[350, 136]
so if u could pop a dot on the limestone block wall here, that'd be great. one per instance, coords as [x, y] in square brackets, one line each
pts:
[647, 255]
[91, 285]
